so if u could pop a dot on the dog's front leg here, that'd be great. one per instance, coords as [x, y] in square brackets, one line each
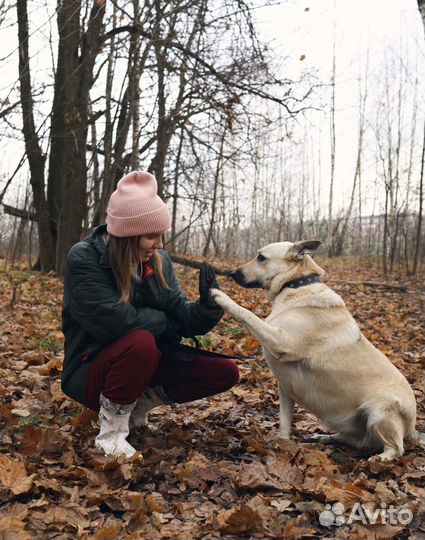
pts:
[286, 410]
[271, 338]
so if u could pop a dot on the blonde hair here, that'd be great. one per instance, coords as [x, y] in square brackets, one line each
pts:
[124, 253]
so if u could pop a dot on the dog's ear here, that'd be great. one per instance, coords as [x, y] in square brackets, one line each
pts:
[305, 247]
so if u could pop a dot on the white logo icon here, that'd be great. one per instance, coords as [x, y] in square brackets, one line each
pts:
[333, 515]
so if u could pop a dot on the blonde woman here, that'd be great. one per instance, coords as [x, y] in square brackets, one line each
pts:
[124, 315]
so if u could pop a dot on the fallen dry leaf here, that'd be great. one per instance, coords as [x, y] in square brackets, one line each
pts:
[376, 532]
[13, 528]
[255, 476]
[236, 521]
[13, 476]
[213, 468]
[110, 530]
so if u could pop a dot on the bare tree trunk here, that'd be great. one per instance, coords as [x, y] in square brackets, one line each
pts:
[421, 6]
[409, 181]
[333, 145]
[30, 236]
[79, 70]
[100, 207]
[96, 174]
[176, 194]
[420, 211]
[135, 92]
[17, 247]
[157, 167]
[115, 163]
[215, 191]
[57, 131]
[340, 238]
[14, 238]
[385, 238]
[36, 158]
[167, 122]
[395, 210]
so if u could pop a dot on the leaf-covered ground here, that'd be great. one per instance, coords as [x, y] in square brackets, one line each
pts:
[213, 468]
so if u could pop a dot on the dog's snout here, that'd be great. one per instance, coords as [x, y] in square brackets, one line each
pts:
[238, 276]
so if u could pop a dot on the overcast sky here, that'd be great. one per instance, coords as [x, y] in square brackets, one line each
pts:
[299, 27]
[382, 30]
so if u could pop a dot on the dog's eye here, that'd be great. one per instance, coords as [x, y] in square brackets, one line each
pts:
[260, 257]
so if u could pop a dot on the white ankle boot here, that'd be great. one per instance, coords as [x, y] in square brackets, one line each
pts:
[114, 428]
[151, 398]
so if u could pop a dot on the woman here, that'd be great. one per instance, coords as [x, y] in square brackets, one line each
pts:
[123, 318]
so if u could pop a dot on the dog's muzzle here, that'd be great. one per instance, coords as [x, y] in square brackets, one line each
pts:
[239, 277]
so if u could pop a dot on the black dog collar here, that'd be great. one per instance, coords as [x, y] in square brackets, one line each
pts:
[301, 282]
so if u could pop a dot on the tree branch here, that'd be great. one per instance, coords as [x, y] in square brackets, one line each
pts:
[17, 212]
[219, 76]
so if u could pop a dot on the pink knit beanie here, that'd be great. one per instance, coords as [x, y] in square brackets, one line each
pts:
[135, 208]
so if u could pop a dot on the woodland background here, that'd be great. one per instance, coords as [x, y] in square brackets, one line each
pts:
[236, 133]
[191, 91]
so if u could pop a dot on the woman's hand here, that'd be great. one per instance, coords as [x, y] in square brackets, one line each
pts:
[207, 281]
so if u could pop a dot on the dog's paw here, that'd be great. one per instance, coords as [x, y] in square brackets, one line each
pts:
[221, 298]
[322, 438]
[385, 457]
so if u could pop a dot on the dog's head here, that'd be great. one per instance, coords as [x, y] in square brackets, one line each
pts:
[278, 263]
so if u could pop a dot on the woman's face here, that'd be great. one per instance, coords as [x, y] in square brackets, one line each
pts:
[148, 244]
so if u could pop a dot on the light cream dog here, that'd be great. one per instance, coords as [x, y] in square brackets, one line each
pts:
[319, 355]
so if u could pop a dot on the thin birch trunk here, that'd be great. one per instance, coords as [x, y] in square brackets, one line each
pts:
[215, 191]
[420, 212]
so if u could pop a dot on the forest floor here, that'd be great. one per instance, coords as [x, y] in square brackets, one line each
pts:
[213, 468]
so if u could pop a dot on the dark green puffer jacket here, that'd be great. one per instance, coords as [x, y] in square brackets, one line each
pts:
[93, 317]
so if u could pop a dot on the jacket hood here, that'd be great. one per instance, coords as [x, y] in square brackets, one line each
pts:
[96, 238]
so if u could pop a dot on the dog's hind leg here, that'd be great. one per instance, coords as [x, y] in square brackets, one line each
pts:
[286, 410]
[388, 431]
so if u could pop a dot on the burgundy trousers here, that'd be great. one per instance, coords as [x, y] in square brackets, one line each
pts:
[123, 370]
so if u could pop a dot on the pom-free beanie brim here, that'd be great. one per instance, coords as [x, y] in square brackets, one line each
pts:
[135, 208]
[156, 221]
